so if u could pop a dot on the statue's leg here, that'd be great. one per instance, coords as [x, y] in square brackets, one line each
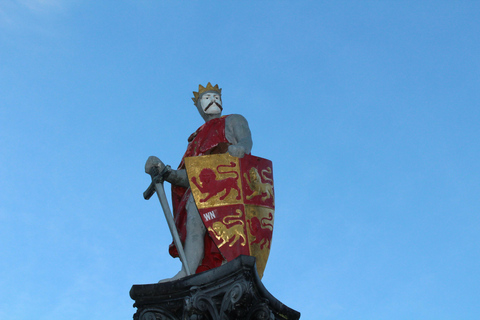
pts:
[194, 241]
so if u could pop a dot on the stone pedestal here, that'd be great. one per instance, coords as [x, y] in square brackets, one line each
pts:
[232, 291]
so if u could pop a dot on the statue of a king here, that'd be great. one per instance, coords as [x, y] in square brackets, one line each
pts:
[219, 134]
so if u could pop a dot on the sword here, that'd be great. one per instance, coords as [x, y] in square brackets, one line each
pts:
[156, 169]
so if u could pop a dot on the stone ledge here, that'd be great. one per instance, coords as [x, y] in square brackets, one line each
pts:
[232, 291]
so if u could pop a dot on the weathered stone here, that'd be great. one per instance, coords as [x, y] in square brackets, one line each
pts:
[232, 291]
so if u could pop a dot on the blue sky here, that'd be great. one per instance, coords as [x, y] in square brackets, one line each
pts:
[369, 111]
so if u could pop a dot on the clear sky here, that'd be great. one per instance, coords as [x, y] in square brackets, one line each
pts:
[369, 111]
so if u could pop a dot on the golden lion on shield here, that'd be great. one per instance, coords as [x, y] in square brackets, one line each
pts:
[224, 233]
[257, 186]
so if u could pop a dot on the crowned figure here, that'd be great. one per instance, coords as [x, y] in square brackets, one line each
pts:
[222, 196]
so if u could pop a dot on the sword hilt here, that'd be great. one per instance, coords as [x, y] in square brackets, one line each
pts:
[156, 178]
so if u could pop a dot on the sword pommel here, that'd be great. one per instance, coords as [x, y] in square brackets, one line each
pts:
[158, 171]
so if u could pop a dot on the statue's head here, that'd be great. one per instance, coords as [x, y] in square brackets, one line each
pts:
[208, 101]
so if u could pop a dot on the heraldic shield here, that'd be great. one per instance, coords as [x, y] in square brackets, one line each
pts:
[235, 198]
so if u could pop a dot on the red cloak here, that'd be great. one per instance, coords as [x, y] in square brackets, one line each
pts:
[208, 139]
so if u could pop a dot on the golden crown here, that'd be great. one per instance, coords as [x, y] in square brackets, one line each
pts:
[202, 89]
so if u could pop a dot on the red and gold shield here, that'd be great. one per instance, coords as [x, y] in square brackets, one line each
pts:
[235, 198]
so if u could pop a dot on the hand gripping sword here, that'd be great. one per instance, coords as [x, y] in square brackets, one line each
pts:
[156, 169]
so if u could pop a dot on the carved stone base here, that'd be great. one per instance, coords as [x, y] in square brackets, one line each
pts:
[232, 291]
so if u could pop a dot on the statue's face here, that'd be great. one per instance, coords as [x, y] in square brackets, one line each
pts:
[211, 103]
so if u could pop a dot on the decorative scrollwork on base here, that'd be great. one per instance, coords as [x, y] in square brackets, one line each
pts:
[200, 305]
[157, 314]
[260, 311]
[230, 292]
[230, 302]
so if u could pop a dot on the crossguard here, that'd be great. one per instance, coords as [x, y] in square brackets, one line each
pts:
[158, 171]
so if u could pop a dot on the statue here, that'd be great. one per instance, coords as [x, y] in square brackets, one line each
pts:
[222, 197]
[223, 202]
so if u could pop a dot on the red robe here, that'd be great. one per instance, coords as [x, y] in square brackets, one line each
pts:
[208, 139]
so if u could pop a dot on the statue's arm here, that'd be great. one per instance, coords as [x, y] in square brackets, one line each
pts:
[238, 134]
[155, 166]
[178, 178]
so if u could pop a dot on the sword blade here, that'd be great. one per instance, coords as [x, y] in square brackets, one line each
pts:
[171, 224]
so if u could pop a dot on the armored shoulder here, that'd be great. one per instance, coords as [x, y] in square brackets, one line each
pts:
[237, 132]
[235, 120]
